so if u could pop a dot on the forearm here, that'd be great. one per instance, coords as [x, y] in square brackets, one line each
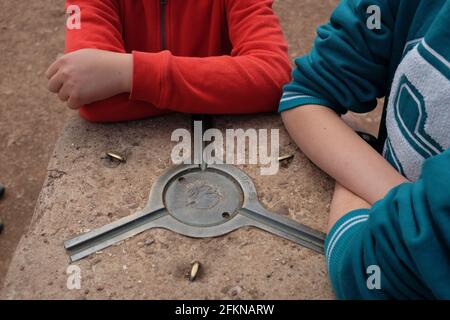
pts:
[220, 85]
[339, 151]
[119, 108]
[344, 201]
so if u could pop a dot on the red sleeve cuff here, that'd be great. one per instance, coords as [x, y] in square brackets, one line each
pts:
[148, 76]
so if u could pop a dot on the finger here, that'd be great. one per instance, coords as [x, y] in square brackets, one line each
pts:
[55, 83]
[53, 69]
[63, 93]
[73, 103]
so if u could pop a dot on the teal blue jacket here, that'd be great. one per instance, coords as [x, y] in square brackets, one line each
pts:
[350, 65]
[406, 235]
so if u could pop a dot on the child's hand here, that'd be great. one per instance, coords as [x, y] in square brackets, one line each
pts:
[88, 75]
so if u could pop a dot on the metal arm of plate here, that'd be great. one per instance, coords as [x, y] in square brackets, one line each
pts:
[110, 234]
[261, 218]
[122, 229]
[285, 228]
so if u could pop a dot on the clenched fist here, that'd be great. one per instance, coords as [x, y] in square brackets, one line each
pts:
[88, 75]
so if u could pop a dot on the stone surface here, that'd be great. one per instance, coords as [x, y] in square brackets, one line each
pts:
[83, 192]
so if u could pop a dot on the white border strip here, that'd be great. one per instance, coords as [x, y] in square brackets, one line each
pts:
[339, 233]
[295, 97]
[436, 54]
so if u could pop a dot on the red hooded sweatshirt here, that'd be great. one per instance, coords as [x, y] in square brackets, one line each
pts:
[192, 56]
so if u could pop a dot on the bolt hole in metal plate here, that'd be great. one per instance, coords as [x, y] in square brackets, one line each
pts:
[203, 198]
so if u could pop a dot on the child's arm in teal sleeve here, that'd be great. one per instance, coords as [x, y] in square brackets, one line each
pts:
[407, 236]
[347, 68]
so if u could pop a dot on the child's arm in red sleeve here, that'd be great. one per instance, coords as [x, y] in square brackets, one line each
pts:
[100, 26]
[248, 81]
[101, 29]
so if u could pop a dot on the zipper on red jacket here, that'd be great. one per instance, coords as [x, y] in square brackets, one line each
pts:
[163, 4]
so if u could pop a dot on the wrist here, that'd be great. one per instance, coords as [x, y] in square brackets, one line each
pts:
[126, 72]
